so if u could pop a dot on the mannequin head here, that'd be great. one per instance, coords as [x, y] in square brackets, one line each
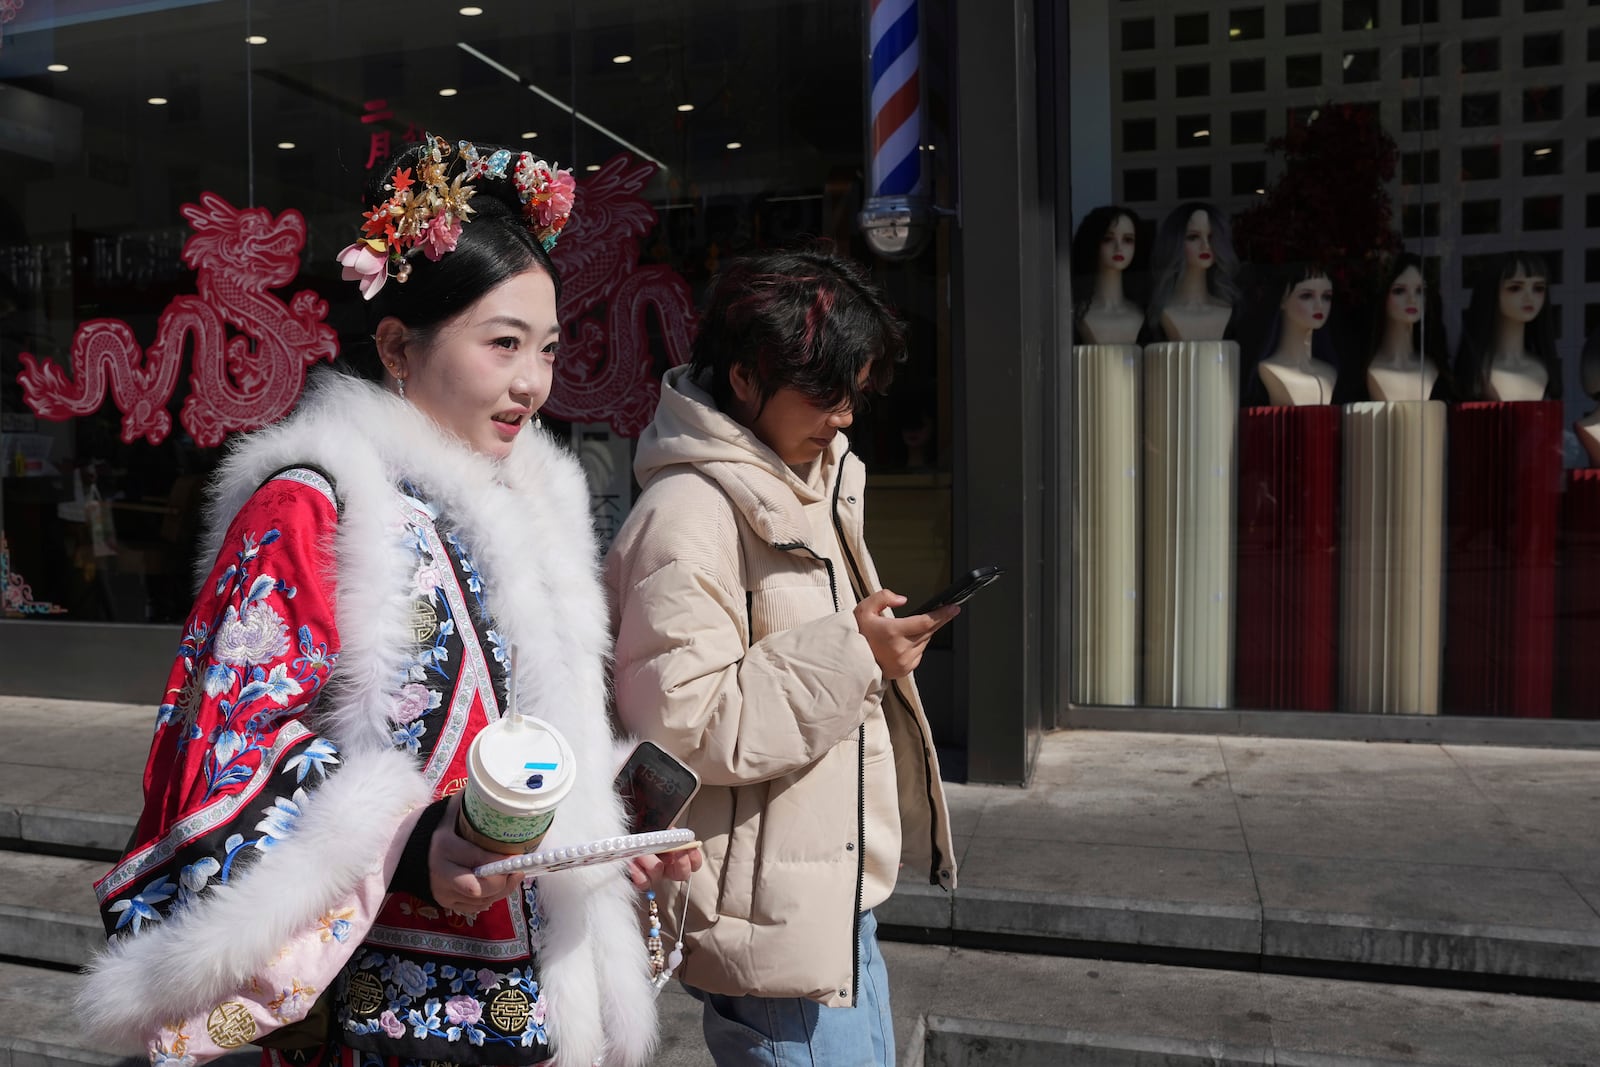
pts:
[1306, 303]
[1510, 289]
[1106, 239]
[1193, 237]
[1402, 298]
[1589, 368]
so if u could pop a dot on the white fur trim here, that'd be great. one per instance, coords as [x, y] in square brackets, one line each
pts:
[193, 960]
[527, 522]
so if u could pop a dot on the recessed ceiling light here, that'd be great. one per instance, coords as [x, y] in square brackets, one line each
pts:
[1202, 133]
[255, 38]
[285, 145]
[735, 144]
[685, 107]
[622, 59]
[592, 166]
[528, 135]
[1261, 192]
[1543, 151]
[57, 68]
[470, 11]
[447, 92]
[157, 100]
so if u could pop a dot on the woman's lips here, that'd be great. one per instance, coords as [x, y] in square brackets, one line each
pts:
[507, 430]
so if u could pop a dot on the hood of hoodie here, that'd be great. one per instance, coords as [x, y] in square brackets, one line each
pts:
[689, 431]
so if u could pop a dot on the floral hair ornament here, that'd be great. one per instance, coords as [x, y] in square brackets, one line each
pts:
[427, 206]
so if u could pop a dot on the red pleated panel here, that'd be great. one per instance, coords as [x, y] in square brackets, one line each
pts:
[1505, 502]
[1578, 642]
[1288, 597]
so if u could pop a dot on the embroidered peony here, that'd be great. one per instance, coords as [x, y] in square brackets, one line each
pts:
[392, 1026]
[463, 1010]
[538, 1013]
[487, 979]
[413, 702]
[426, 580]
[440, 237]
[363, 264]
[411, 979]
[257, 635]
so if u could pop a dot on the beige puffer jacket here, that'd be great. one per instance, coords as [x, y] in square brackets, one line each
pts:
[732, 655]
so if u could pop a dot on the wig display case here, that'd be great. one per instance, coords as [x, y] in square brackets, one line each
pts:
[1191, 411]
[1288, 600]
[1504, 501]
[1578, 637]
[1105, 548]
[1392, 601]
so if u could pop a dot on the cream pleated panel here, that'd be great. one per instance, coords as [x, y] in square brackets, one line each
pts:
[1106, 523]
[1393, 556]
[1190, 472]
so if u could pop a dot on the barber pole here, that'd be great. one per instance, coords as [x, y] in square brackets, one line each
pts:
[895, 218]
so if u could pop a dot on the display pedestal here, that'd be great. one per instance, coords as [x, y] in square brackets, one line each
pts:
[1191, 412]
[1105, 546]
[1288, 558]
[1578, 684]
[1505, 496]
[1393, 556]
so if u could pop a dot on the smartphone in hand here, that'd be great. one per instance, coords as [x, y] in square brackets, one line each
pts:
[961, 590]
[655, 788]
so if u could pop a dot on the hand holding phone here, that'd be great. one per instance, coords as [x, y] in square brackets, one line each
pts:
[961, 590]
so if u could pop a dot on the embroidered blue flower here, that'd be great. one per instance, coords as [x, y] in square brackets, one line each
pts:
[193, 879]
[502, 654]
[318, 756]
[280, 819]
[413, 981]
[140, 909]
[409, 736]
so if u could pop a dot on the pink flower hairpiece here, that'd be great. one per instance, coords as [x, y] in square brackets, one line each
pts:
[427, 207]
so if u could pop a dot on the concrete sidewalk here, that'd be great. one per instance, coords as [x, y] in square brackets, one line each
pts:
[1430, 864]
[1463, 861]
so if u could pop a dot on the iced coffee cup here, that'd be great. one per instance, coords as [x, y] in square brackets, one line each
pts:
[519, 769]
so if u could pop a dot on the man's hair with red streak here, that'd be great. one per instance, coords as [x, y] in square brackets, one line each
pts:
[809, 320]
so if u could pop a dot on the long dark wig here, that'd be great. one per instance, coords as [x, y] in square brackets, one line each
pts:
[1086, 254]
[1427, 333]
[1167, 258]
[1476, 352]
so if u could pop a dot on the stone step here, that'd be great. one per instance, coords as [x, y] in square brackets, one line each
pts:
[47, 908]
[1246, 933]
[982, 1008]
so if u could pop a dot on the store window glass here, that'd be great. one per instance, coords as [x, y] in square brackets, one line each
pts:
[1338, 444]
[184, 172]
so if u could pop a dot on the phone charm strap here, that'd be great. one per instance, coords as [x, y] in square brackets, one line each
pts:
[661, 967]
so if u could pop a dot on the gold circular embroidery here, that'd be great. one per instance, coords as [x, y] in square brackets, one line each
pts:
[509, 1010]
[365, 995]
[230, 1025]
[424, 620]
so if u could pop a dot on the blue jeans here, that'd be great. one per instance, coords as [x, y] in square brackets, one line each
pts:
[795, 1032]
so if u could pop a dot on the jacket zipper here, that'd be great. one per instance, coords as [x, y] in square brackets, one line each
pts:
[861, 759]
[927, 768]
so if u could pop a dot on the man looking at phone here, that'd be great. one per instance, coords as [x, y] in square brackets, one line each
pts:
[755, 644]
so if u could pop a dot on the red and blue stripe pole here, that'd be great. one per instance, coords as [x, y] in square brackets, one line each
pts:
[895, 217]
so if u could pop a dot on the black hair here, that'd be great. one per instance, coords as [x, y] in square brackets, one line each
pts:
[1086, 251]
[1475, 352]
[809, 320]
[1427, 334]
[1278, 282]
[495, 245]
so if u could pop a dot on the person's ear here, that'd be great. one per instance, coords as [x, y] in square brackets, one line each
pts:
[390, 338]
[743, 382]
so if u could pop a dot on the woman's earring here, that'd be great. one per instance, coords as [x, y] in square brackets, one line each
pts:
[537, 425]
[401, 385]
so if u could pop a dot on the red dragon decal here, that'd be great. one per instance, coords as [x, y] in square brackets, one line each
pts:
[604, 375]
[238, 256]
[604, 371]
